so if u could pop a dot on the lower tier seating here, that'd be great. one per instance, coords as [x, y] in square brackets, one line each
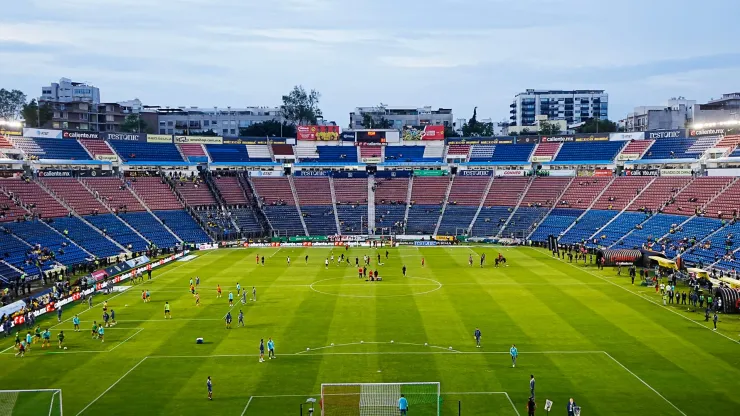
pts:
[423, 219]
[89, 238]
[319, 219]
[119, 231]
[182, 224]
[150, 228]
[555, 223]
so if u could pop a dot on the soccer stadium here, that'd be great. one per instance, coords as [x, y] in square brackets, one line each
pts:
[467, 275]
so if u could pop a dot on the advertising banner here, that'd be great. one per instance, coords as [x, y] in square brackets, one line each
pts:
[55, 174]
[129, 137]
[603, 173]
[546, 158]
[107, 158]
[95, 173]
[317, 133]
[475, 173]
[642, 172]
[425, 243]
[561, 172]
[596, 137]
[42, 133]
[558, 139]
[10, 131]
[427, 172]
[628, 156]
[347, 136]
[159, 138]
[312, 238]
[509, 172]
[370, 159]
[312, 173]
[665, 134]
[676, 172]
[266, 173]
[414, 133]
[716, 131]
[640, 135]
[199, 139]
[85, 135]
[527, 139]
[255, 140]
[481, 140]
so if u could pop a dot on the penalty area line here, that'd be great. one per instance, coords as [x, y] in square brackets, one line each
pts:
[111, 386]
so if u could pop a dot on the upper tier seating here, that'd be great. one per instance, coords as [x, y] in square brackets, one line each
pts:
[194, 152]
[727, 204]
[282, 150]
[545, 152]
[544, 191]
[119, 231]
[10, 209]
[458, 150]
[670, 149]
[589, 151]
[97, 147]
[228, 153]
[132, 152]
[5, 143]
[155, 193]
[518, 153]
[407, 154]
[230, 189]
[74, 194]
[482, 153]
[259, 153]
[53, 148]
[183, 225]
[314, 195]
[89, 238]
[429, 190]
[658, 193]
[370, 152]
[700, 191]
[621, 192]
[337, 154]
[701, 145]
[636, 147]
[33, 197]
[433, 153]
[587, 225]
[582, 192]
[729, 142]
[115, 193]
[555, 223]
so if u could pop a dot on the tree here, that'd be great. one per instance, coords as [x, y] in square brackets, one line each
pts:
[525, 131]
[475, 128]
[549, 129]
[301, 107]
[593, 125]
[209, 132]
[269, 128]
[372, 122]
[11, 104]
[133, 124]
[450, 132]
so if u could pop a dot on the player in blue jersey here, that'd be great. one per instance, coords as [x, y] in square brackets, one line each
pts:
[270, 348]
[403, 405]
[209, 384]
[227, 318]
[101, 333]
[238, 289]
[531, 385]
[231, 298]
[262, 351]
[514, 353]
[76, 322]
[240, 321]
[477, 334]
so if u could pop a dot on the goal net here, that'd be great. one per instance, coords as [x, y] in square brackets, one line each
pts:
[379, 399]
[31, 402]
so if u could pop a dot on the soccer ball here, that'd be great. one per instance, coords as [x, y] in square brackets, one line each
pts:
[425, 344]
[362, 342]
[332, 344]
[450, 347]
[308, 349]
[65, 348]
[391, 341]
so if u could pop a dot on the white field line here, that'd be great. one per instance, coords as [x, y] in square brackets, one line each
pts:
[647, 299]
[643, 382]
[512, 404]
[247, 406]
[124, 341]
[111, 386]
[304, 354]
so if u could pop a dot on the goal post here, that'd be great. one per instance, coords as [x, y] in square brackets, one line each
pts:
[379, 399]
[31, 402]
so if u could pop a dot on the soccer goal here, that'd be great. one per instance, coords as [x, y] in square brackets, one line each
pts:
[31, 402]
[379, 399]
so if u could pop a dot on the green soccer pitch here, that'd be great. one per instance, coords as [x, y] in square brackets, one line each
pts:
[581, 332]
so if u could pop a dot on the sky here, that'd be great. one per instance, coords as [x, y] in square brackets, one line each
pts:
[442, 53]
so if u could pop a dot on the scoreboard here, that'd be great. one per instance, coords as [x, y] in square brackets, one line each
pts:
[371, 137]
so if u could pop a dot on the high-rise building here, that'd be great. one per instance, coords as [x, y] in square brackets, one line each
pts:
[677, 113]
[68, 91]
[574, 106]
[402, 116]
[721, 110]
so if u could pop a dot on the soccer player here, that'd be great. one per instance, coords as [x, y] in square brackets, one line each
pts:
[197, 281]
[29, 340]
[106, 317]
[326, 263]
[359, 272]
[240, 321]
[332, 258]
[476, 335]
[262, 350]
[21, 349]
[197, 299]
[59, 314]
[17, 339]
[218, 291]
[306, 259]
[76, 322]
[228, 320]
[191, 282]
[37, 337]
[263, 260]
[270, 348]
[403, 405]
[422, 262]
[404, 270]
[89, 302]
[148, 296]
[149, 273]
[143, 296]
[105, 306]
[231, 298]
[192, 289]
[715, 318]
[167, 313]
[378, 258]
[514, 353]
[254, 294]
[531, 385]
[238, 289]
[112, 316]
[101, 333]
[470, 260]
[244, 297]
[95, 329]
[357, 261]
[288, 260]
[47, 339]
[209, 384]
[571, 407]
[258, 262]
[386, 254]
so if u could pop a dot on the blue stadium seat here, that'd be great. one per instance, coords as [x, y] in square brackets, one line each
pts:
[345, 154]
[407, 154]
[670, 149]
[119, 231]
[715, 247]
[150, 228]
[555, 223]
[589, 151]
[146, 152]
[352, 218]
[90, 239]
[482, 153]
[621, 225]
[391, 217]
[13, 250]
[512, 152]
[652, 229]
[62, 149]
[696, 229]
[423, 219]
[284, 219]
[456, 219]
[34, 232]
[522, 221]
[246, 220]
[319, 219]
[584, 228]
[182, 224]
[490, 220]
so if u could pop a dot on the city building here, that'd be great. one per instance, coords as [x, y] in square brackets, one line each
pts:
[574, 106]
[67, 91]
[224, 122]
[677, 113]
[720, 110]
[85, 116]
[402, 116]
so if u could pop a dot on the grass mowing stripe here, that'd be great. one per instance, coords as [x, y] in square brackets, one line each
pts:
[111, 386]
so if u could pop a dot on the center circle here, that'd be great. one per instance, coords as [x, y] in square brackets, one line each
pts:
[355, 288]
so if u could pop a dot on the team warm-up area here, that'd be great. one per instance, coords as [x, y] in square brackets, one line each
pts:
[281, 331]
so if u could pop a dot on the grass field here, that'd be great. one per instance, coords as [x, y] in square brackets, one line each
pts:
[583, 333]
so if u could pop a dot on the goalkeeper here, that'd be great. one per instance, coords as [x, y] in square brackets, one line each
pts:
[403, 405]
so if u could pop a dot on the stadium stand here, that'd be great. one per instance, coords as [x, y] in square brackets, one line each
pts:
[649, 234]
[282, 150]
[621, 192]
[702, 144]
[228, 153]
[314, 196]
[114, 193]
[458, 151]
[658, 193]
[670, 149]
[503, 196]
[555, 223]
[119, 231]
[582, 192]
[635, 149]
[75, 195]
[38, 234]
[427, 197]
[98, 148]
[18, 253]
[617, 228]
[586, 226]
[155, 192]
[545, 152]
[726, 205]
[132, 152]
[183, 225]
[195, 192]
[589, 151]
[482, 153]
[682, 238]
[368, 153]
[729, 142]
[407, 154]
[692, 198]
[85, 236]
[351, 197]
[391, 200]
[515, 153]
[53, 148]
[259, 153]
[33, 197]
[149, 227]
[278, 204]
[465, 197]
[193, 152]
[230, 190]
[337, 154]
